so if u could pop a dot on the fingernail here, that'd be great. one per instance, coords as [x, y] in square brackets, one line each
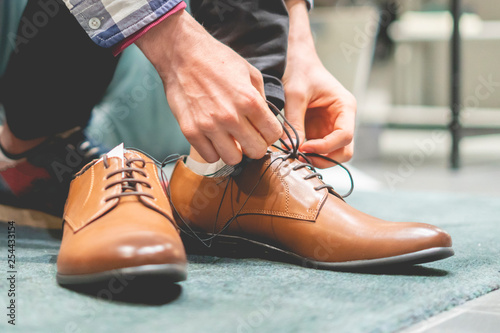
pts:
[305, 150]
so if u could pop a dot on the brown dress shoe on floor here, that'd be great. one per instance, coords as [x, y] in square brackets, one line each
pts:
[118, 222]
[281, 204]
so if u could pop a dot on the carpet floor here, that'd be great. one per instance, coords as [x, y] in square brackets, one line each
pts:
[256, 295]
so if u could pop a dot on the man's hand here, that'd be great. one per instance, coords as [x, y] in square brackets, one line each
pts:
[216, 96]
[317, 105]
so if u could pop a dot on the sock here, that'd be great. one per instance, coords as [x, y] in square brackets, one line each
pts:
[204, 169]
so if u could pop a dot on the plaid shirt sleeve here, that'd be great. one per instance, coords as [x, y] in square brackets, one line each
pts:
[108, 22]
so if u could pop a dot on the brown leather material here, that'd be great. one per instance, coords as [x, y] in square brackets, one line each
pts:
[286, 211]
[87, 201]
[126, 231]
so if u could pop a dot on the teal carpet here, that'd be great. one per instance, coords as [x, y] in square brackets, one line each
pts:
[255, 295]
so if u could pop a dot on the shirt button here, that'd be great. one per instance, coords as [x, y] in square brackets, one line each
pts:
[94, 23]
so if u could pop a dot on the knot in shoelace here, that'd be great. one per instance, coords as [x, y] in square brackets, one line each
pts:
[292, 152]
[128, 182]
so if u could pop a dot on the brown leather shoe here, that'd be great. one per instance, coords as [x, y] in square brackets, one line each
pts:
[284, 207]
[118, 222]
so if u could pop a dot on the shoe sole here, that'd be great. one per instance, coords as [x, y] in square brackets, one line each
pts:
[234, 246]
[169, 273]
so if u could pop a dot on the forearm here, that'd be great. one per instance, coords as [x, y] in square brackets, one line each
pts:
[300, 39]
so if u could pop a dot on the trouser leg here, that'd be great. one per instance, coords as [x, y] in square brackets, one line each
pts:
[55, 75]
[255, 29]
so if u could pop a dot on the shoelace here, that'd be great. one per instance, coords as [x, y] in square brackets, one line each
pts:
[128, 182]
[294, 153]
[290, 152]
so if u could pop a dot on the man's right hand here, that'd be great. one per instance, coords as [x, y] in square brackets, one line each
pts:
[216, 96]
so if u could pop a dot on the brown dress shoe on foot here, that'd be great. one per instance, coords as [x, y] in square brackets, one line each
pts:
[118, 224]
[283, 206]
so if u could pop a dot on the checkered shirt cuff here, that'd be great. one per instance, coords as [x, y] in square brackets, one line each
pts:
[108, 22]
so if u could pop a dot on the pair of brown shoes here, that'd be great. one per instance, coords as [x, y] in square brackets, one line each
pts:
[118, 220]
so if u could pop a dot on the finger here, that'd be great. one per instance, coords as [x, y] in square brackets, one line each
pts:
[265, 123]
[226, 148]
[295, 111]
[205, 148]
[251, 142]
[341, 155]
[341, 136]
[257, 81]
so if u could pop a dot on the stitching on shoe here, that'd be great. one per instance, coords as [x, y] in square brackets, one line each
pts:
[91, 186]
[272, 213]
[70, 223]
[312, 211]
[283, 182]
[150, 203]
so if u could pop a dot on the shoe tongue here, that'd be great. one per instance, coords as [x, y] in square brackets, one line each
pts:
[119, 152]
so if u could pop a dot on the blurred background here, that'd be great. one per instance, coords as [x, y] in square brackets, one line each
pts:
[394, 56]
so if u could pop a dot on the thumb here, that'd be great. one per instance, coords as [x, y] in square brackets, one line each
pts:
[295, 111]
